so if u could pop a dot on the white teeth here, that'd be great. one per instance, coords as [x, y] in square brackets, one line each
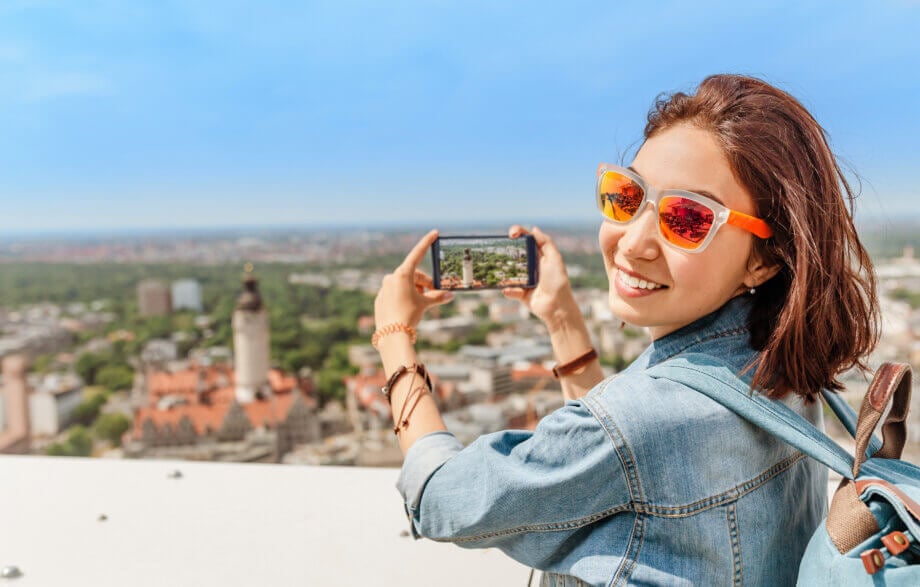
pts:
[636, 283]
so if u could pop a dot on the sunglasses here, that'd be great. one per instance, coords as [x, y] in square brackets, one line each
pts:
[687, 221]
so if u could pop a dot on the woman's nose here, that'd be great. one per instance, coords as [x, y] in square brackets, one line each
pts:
[640, 237]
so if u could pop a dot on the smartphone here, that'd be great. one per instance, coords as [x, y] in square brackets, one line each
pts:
[483, 262]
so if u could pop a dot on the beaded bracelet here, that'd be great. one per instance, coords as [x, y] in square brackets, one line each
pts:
[392, 329]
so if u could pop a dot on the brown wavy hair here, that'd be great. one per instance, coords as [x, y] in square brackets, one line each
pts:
[818, 316]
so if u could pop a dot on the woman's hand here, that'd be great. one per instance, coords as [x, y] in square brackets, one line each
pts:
[552, 300]
[406, 293]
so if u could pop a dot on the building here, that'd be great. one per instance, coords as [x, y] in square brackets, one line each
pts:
[53, 401]
[208, 410]
[191, 412]
[250, 341]
[186, 295]
[445, 330]
[363, 355]
[160, 350]
[153, 298]
[504, 311]
[14, 435]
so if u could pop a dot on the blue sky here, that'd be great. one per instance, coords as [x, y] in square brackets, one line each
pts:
[190, 113]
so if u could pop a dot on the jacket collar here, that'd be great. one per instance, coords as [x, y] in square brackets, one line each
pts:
[731, 319]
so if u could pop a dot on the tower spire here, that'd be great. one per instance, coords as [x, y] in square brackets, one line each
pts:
[250, 340]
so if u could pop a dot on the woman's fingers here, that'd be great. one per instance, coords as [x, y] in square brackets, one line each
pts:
[423, 281]
[544, 242]
[541, 238]
[436, 297]
[516, 231]
[515, 293]
[422, 278]
[417, 253]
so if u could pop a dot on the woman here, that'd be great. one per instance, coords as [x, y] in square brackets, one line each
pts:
[729, 236]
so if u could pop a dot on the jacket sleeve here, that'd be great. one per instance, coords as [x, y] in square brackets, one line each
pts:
[524, 492]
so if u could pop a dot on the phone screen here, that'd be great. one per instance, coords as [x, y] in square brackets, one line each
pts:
[483, 262]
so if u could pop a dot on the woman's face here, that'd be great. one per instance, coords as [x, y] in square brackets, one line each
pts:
[694, 284]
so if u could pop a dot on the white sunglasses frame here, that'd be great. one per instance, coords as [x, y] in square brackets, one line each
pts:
[650, 195]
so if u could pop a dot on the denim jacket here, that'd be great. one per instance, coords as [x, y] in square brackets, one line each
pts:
[641, 481]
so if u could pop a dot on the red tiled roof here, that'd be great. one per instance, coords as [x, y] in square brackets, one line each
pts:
[220, 395]
[185, 382]
[534, 371]
[366, 388]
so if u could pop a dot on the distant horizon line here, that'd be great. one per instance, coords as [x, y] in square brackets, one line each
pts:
[381, 226]
[7, 235]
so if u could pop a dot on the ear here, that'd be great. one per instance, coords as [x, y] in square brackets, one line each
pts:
[758, 272]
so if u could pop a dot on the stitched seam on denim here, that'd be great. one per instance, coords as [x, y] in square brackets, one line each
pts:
[549, 527]
[731, 514]
[726, 497]
[633, 557]
[626, 564]
[715, 336]
[627, 460]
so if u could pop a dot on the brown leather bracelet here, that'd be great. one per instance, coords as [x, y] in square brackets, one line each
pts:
[402, 370]
[563, 369]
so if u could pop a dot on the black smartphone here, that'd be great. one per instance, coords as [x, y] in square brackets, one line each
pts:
[483, 262]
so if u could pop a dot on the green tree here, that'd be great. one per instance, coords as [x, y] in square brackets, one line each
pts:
[42, 363]
[86, 411]
[111, 427]
[330, 386]
[88, 365]
[79, 443]
[115, 377]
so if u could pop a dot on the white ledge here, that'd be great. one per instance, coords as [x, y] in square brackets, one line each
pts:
[220, 524]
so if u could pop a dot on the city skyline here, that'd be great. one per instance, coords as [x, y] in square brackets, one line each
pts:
[193, 116]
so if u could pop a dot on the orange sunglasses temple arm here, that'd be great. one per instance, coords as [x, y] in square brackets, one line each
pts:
[750, 224]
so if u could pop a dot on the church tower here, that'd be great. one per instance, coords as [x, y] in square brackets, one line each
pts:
[467, 269]
[250, 341]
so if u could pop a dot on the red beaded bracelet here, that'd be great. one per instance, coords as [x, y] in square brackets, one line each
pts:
[392, 329]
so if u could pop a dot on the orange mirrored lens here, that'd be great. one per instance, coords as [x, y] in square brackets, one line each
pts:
[684, 222]
[619, 196]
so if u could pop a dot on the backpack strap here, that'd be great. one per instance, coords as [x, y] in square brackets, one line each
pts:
[718, 381]
[890, 384]
[848, 418]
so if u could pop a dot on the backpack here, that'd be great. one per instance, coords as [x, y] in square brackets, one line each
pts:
[871, 535]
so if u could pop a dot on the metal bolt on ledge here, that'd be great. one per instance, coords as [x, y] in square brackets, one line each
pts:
[10, 572]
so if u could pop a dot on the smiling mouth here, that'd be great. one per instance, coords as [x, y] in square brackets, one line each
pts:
[636, 283]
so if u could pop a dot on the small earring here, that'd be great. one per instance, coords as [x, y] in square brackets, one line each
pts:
[753, 290]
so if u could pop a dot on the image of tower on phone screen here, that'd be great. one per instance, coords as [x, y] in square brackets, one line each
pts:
[483, 263]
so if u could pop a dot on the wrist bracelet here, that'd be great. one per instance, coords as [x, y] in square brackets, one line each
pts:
[393, 328]
[563, 369]
[387, 389]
